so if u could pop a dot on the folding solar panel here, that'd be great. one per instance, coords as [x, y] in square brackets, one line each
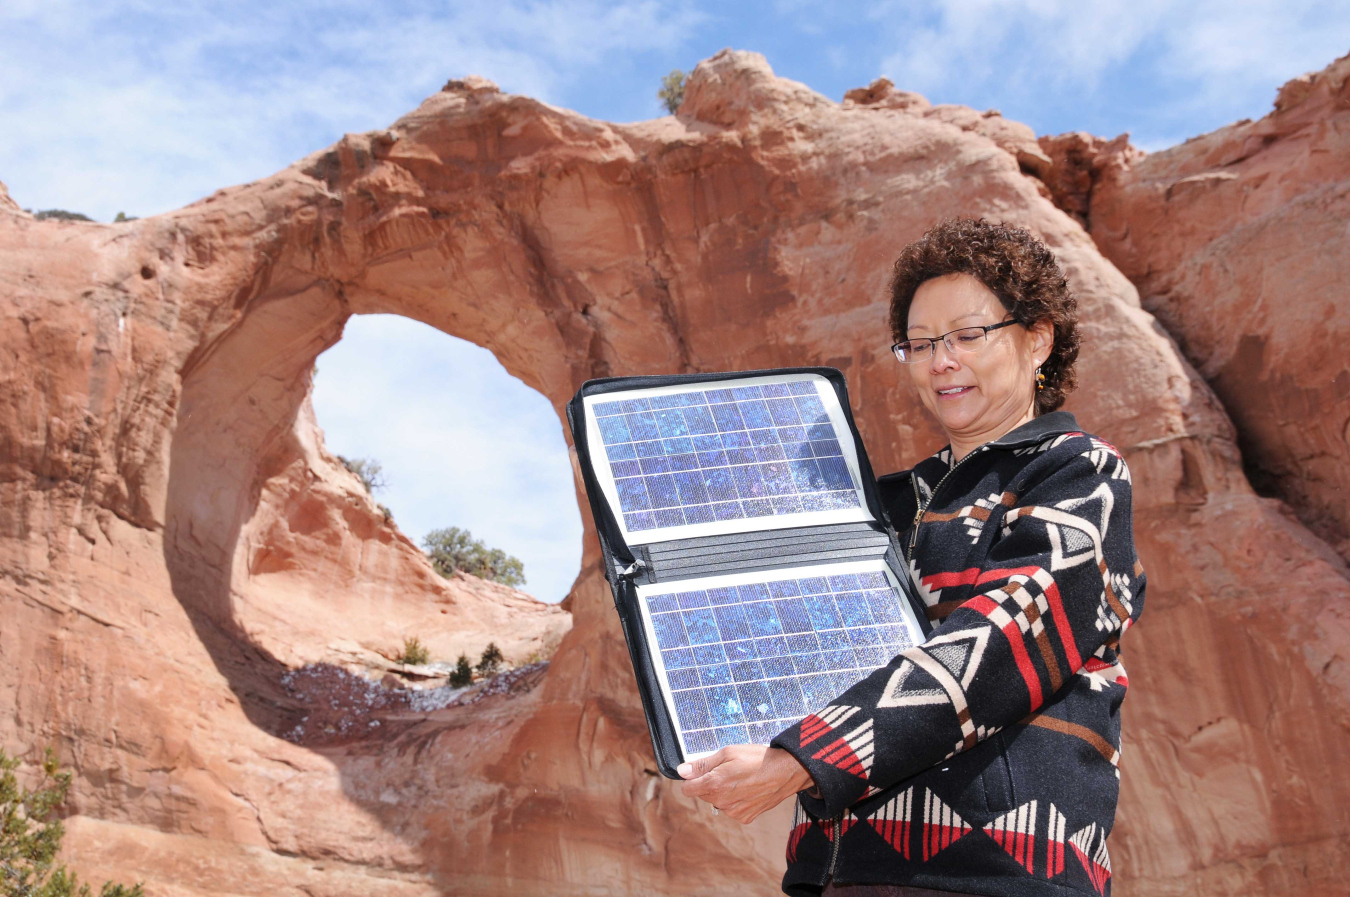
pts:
[749, 556]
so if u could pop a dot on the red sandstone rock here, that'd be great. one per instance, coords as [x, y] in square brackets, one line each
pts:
[6, 203]
[162, 493]
[882, 93]
[1078, 161]
[1012, 137]
[1239, 241]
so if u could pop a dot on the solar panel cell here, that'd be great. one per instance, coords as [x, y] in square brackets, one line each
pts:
[747, 671]
[834, 638]
[731, 622]
[699, 514]
[706, 654]
[792, 613]
[684, 678]
[762, 620]
[660, 604]
[755, 701]
[771, 647]
[724, 704]
[669, 630]
[741, 650]
[702, 627]
[691, 710]
[852, 609]
[677, 658]
[818, 691]
[822, 611]
[715, 674]
[732, 735]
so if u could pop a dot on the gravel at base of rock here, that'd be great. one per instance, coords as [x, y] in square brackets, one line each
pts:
[337, 706]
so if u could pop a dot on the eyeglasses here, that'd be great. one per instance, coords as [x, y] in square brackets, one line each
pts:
[965, 339]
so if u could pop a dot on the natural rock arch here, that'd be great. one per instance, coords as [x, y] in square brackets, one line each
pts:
[754, 229]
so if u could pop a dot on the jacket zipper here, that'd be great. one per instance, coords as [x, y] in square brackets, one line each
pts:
[923, 506]
[837, 823]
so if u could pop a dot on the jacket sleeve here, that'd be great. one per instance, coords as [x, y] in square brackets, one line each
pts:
[1057, 585]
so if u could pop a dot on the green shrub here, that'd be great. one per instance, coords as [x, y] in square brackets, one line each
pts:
[672, 90]
[123, 217]
[368, 471]
[414, 652]
[462, 675]
[454, 549]
[60, 215]
[491, 660]
[29, 842]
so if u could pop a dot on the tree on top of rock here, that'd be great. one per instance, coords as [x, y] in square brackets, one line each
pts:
[672, 90]
[369, 471]
[452, 549]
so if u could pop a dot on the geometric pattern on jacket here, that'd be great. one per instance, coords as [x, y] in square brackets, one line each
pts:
[986, 760]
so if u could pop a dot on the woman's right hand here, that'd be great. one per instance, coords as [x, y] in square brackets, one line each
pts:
[745, 780]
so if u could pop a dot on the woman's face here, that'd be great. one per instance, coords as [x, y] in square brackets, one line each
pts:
[976, 396]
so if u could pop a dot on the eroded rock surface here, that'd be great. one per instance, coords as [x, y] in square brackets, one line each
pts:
[163, 493]
[1239, 241]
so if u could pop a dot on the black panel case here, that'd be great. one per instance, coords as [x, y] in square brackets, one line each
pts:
[626, 567]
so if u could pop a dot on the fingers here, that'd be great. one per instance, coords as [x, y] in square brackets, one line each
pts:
[706, 787]
[695, 768]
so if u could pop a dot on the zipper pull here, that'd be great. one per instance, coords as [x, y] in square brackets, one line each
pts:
[631, 570]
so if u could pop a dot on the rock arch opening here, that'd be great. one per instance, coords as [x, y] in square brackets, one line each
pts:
[461, 443]
[279, 555]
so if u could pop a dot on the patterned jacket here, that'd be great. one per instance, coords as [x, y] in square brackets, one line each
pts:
[985, 760]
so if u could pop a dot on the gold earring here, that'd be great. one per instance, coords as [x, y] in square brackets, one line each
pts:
[1040, 379]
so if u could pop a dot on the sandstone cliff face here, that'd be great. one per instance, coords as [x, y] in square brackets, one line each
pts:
[1239, 241]
[163, 491]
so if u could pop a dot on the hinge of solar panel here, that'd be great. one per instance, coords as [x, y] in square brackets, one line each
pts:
[634, 569]
[764, 550]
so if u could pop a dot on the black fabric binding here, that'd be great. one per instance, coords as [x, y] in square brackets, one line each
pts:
[711, 555]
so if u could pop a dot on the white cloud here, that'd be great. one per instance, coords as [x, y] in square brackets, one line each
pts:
[1171, 61]
[139, 107]
[462, 442]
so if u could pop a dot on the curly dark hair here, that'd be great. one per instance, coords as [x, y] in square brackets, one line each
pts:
[1017, 268]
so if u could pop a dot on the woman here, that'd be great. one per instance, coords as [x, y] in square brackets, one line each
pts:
[989, 753]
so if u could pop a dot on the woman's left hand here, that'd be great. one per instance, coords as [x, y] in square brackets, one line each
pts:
[744, 780]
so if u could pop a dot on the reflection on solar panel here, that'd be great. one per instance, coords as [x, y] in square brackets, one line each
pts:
[745, 662]
[724, 454]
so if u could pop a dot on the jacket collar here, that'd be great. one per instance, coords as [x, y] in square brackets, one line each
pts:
[1037, 429]
[1032, 432]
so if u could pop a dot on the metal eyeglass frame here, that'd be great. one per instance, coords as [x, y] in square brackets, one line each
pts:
[933, 341]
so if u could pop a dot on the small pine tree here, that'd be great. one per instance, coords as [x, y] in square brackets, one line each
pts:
[414, 652]
[672, 90]
[463, 673]
[29, 842]
[491, 660]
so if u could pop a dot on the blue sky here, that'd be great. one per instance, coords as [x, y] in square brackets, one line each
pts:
[462, 442]
[142, 107]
